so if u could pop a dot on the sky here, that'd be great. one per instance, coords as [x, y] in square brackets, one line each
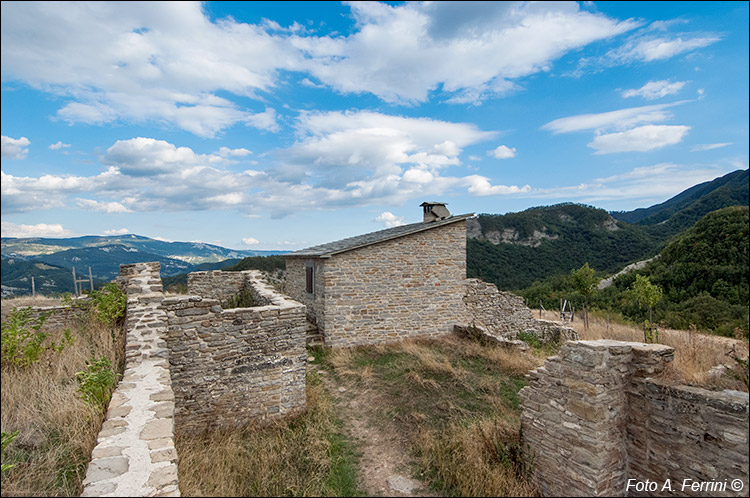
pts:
[282, 125]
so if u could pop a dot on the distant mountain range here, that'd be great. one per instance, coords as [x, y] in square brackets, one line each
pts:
[516, 249]
[51, 261]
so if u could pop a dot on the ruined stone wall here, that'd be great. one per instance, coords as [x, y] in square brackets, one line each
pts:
[218, 284]
[593, 419]
[502, 312]
[687, 433]
[502, 315]
[412, 285]
[231, 367]
[135, 453]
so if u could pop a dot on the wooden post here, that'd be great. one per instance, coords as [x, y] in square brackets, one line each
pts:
[540, 308]
[33, 291]
[75, 283]
[91, 279]
[607, 321]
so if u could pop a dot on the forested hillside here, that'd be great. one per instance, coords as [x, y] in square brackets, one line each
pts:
[703, 274]
[517, 249]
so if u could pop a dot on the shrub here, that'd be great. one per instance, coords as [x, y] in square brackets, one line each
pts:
[96, 382]
[23, 340]
[109, 304]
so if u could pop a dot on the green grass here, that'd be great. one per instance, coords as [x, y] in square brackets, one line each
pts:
[455, 401]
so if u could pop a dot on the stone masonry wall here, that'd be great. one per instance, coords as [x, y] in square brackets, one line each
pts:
[687, 433]
[502, 315]
[295, 286]
[412, 285]
[135, 453]
[218, 284]
[594, 421]
[231, 367]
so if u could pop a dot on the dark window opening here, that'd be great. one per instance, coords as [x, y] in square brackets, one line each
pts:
[309, 279]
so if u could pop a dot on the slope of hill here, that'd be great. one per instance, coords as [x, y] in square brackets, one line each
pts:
[105, 260]
[48, 279]
[190, 252]
[51, 260]
[702, 272]
[516, 249]
[684, 209]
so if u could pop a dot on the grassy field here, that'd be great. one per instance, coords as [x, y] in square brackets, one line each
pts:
[56, 428]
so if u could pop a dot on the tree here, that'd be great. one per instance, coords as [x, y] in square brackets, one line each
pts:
[647, 294]
[585, 282]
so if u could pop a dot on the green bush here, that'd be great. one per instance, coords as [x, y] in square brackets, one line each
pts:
[96, 382]
[109, 304]
[23, 340]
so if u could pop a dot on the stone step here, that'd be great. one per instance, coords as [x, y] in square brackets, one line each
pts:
[316, 339]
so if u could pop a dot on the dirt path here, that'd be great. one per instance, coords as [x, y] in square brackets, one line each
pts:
[384, 461]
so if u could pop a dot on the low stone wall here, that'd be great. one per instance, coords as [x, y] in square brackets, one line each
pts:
[57, 317]
[230, 367]
[220, 285]
[135, 453]
[688, 435]
[502, 315]
[596, 424]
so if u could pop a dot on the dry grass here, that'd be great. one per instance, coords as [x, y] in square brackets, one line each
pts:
[303, 456]
[695, 352]
[454, 401]
[57, 430]
[482, 458]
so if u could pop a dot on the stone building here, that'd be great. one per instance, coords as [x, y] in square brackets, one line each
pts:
[387, 285]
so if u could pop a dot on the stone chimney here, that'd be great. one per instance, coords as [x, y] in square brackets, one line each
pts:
[434, 211]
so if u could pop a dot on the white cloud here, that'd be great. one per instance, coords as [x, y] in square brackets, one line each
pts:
[102, 207]
[59, 145]
[655, 89]
[14, 148]
[702, 147]
[39, 230]
[147, 157]
[651, 43]
[143, 61]
[249, 241]
[620, 119]
[503, 152]
[480, 185]
[640, 139]
[470, 50]
[167, 62]
[389, 219]
[227, 152]
[117, 231]
[648, 49]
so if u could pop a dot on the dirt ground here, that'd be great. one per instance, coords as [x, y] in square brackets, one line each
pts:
[385, 465]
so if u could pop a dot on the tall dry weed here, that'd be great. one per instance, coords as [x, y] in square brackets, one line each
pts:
[295, 457]
[695, 352]
[481, 458]
[57, 429]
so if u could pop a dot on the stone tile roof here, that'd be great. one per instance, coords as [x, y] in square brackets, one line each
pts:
[331, 248]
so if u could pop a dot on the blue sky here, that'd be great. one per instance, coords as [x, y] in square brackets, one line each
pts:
[281, 125]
